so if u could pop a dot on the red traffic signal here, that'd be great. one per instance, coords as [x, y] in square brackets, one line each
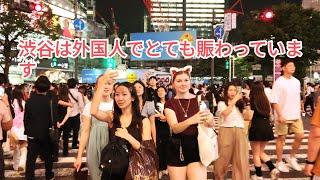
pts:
[27, 6]
[267, 15]
[37, 7]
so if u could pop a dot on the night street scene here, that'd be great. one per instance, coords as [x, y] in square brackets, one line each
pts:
[159, 89]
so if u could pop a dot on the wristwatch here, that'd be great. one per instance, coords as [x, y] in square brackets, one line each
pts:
[310, 162]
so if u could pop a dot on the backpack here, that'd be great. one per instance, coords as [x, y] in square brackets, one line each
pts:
[114, 160]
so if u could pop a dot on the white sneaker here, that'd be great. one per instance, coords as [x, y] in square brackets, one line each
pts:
[255, 177]
[293, 163]
[281, 166]
[275, 173]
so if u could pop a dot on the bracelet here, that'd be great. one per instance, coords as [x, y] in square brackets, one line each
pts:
[310, 162]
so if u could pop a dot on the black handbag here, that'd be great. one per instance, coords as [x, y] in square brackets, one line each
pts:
[54, 133]
[82, 174]
[114, 160]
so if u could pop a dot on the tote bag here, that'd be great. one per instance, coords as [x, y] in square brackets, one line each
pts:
[208, 144]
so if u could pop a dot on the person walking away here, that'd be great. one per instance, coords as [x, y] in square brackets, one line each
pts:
[19, 139]
[260, 131]
[37, 121]
[77, 106]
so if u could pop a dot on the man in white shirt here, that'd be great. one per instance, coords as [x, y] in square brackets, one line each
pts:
[286, 103]
[76, 99]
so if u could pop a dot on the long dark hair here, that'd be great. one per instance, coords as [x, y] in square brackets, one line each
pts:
[17, 94]
[158, 98]
[136, 115]
[63, 93]
[259, 100]
[144, 95]
[239, 104]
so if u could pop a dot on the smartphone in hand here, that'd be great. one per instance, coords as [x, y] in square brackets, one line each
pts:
[203, 106]
[156, 111]
[122, 75]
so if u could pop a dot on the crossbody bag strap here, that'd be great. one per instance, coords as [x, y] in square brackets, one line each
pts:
[73, 96]
[51, 114]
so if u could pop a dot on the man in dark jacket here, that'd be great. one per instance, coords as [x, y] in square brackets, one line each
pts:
[37, 121]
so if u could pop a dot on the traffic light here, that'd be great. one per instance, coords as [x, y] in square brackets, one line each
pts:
[27, 6]
[267, 15]
[37, 7]
[227, 64]
[54, 62]
[109, 63]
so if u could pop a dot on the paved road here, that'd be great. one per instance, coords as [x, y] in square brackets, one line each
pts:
[63, 168]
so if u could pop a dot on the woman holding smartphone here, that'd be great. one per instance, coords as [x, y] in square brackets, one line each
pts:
[183, 115]
[232, 139]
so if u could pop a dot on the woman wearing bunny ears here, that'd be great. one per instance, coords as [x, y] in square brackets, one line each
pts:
[183, 115]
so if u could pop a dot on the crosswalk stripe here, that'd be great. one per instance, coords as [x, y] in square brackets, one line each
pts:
[64, 167]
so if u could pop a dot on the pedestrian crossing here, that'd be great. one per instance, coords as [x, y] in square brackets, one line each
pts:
[64, 167]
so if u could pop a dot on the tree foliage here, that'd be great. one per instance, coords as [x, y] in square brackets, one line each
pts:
[290, 22]
[15, 24]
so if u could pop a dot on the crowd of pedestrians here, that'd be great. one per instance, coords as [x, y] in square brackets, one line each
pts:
[160, 124]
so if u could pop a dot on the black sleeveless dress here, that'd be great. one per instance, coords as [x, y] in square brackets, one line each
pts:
[261, 128]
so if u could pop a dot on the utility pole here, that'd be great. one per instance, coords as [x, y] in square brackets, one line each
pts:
[230, 69]
[233, 66]
[184, 15]
[76, 60]
[212, 35]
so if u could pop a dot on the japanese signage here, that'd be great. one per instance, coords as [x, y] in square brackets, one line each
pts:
[31, 49]
[159, 45]
[277, 71]
[69, 30]
[163, 78]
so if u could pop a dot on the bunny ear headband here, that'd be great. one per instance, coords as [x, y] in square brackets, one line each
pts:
[174, 70]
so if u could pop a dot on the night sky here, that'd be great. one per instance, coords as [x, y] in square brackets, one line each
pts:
[129, 13]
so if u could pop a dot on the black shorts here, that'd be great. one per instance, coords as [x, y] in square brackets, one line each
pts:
[189, 147]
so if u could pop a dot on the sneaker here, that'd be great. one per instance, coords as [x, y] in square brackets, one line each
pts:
[255, 177]
[275, 173]
[293, 163]
[281, 166]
